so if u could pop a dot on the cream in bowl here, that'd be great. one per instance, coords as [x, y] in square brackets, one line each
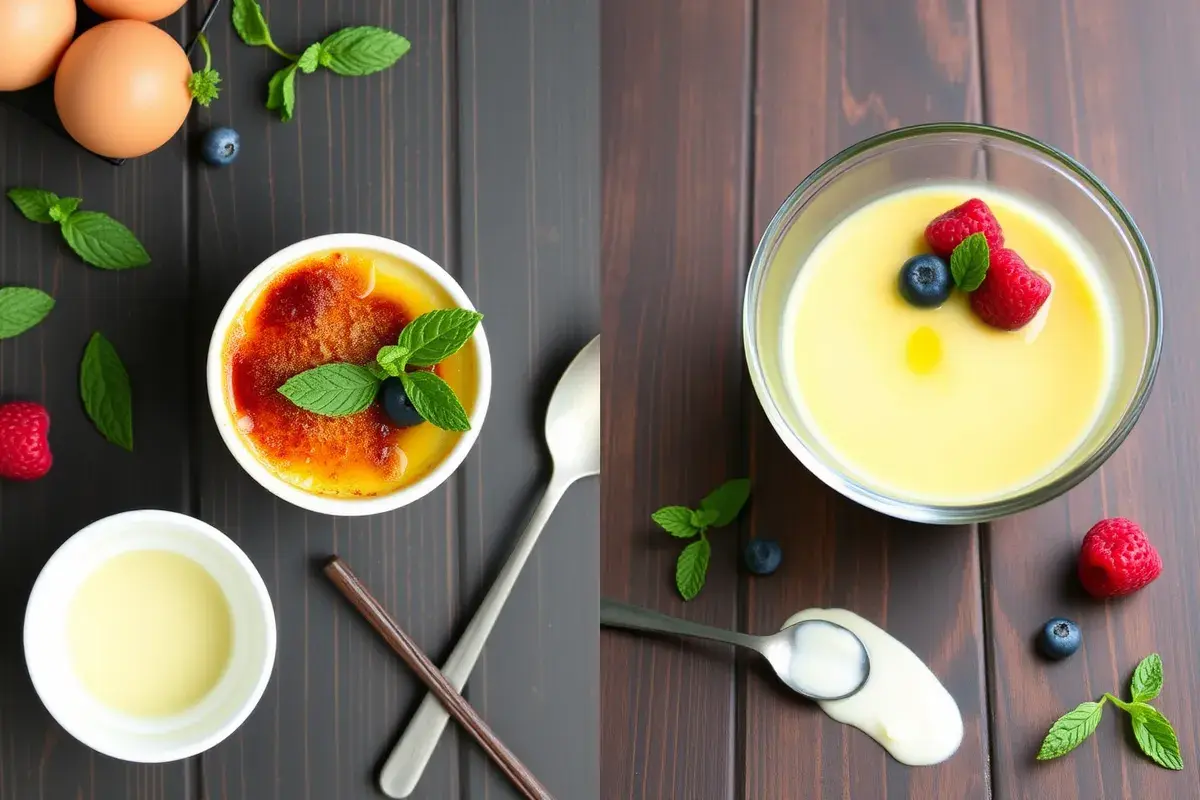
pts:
[349, 374]
[149, 636]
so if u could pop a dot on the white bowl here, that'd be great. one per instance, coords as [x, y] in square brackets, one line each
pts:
[325, 504]
[149, 740]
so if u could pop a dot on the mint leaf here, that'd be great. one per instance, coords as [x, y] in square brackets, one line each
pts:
[727, 501]
[677, 521]
[436, 335]
[434, 400]
[969, 262]
[391, 358]
[1147, 679]
[310, 58]
[1155, 736]
[692, 567]
[250, 24]
[1070, 730]
[378, 371]
[704, 518]
[281, 92]
[102, 241]
[35, 204]
[332, 390]
[21, 309]
[107, 396]
[64, 208]
[362, 51]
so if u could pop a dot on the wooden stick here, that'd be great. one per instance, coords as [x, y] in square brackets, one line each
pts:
[432, 677]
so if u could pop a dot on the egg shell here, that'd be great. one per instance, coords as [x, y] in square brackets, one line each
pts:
[144, 10]
[34, 34]
[121, 89]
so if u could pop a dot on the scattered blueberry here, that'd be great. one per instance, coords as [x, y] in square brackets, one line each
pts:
[762, 556]
[1059, 638]
[221, 146]
[925, 281]
[397, 405]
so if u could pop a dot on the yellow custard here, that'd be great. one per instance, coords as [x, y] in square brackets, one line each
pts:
[150, 633]
[933, 404]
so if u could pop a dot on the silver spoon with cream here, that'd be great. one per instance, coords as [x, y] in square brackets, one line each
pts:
[814, 657]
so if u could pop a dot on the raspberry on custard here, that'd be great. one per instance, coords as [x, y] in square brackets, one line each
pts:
[947, 231]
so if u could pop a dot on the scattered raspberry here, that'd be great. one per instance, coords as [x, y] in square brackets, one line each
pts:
[24, 449]
[1011, 293]
[947, 231]
[1116, 559]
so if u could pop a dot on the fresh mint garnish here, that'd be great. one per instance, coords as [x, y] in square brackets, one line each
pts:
[251, 25]
[363, 50]
[335, 390]
[1151, 729]
[22, 308]
[281, 92]
[205, 85]
[104, 387]
[969, 262]
[717, 510]
[35, 204]
[94, 236]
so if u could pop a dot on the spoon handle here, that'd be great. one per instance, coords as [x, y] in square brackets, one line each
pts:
[620, 615]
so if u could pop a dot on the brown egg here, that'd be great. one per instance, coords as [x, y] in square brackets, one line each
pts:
[33, 36]
[145, 10]
[121, 89]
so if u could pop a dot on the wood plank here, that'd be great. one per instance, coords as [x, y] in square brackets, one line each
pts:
[828, 75]
[1101, 81]
[675, 108]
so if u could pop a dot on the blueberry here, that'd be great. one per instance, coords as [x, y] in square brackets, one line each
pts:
[221, 146]
[1059, 638]
[397, 405]
[925, 281]
[762, 556]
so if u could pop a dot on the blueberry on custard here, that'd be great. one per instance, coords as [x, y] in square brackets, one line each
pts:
[925, 281]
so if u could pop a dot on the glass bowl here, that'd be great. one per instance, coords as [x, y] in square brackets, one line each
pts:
[956, 153]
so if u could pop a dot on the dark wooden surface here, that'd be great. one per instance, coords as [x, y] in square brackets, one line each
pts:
[481, 149]
[712, 112]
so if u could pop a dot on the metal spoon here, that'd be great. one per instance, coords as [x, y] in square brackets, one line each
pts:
[573, 436]
[791, 651]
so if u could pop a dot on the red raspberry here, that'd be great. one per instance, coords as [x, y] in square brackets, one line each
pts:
[1116, 559]
[24, 449]
[947, 231]
[1011, 293]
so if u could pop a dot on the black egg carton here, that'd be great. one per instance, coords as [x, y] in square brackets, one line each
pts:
[38, 101]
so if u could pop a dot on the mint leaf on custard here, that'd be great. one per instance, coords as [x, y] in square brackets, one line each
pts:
[434, 400]
[969, 262]
[104, 388]
[436, 335]
[332, 390]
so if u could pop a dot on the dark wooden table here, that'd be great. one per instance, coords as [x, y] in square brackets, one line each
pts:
[712, 112]
[479, 148]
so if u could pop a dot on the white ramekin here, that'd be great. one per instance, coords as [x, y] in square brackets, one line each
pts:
[149, 740]
[341, 506]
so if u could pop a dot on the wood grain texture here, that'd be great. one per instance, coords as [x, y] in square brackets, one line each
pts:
[1099, 80]
[675, 112]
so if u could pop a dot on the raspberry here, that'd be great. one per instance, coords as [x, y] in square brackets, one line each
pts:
[1116, 559]
[1011, 294]
[24, 449]
[947, 231]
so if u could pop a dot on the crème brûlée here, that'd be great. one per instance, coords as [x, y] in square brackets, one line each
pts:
[337, 306]
[933, 405]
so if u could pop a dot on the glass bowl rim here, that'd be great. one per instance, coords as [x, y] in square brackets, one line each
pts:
[945, 514]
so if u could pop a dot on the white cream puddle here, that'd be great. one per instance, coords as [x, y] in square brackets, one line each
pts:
[902, 706]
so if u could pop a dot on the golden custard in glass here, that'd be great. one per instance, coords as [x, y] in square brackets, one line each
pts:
[336, 306]
[933, 404]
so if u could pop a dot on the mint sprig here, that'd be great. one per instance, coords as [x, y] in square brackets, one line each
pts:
[355, 51]
[340, 389]
[969, 262]
[717, 510]
[1153, 732]
[95, 237]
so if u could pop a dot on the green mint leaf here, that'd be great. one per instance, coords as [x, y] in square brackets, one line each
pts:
[102, 241]
[362, 51]
[692, 568]
[205, 85]
[35, 204]
[969, 262]
[1147, 679]
[703, 518]
[378, 371]
[310, 58]
[64, 208]
[21, 309]
[434, 400]
[391, 358]
[727, 501]
[332, 390]
[1155, 736]
[281, 92]
[677, 521]
[1069, 730]
[250, 24]
[107, 396]
[436, 335]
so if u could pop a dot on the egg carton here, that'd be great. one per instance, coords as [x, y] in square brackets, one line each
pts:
[38, 101]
